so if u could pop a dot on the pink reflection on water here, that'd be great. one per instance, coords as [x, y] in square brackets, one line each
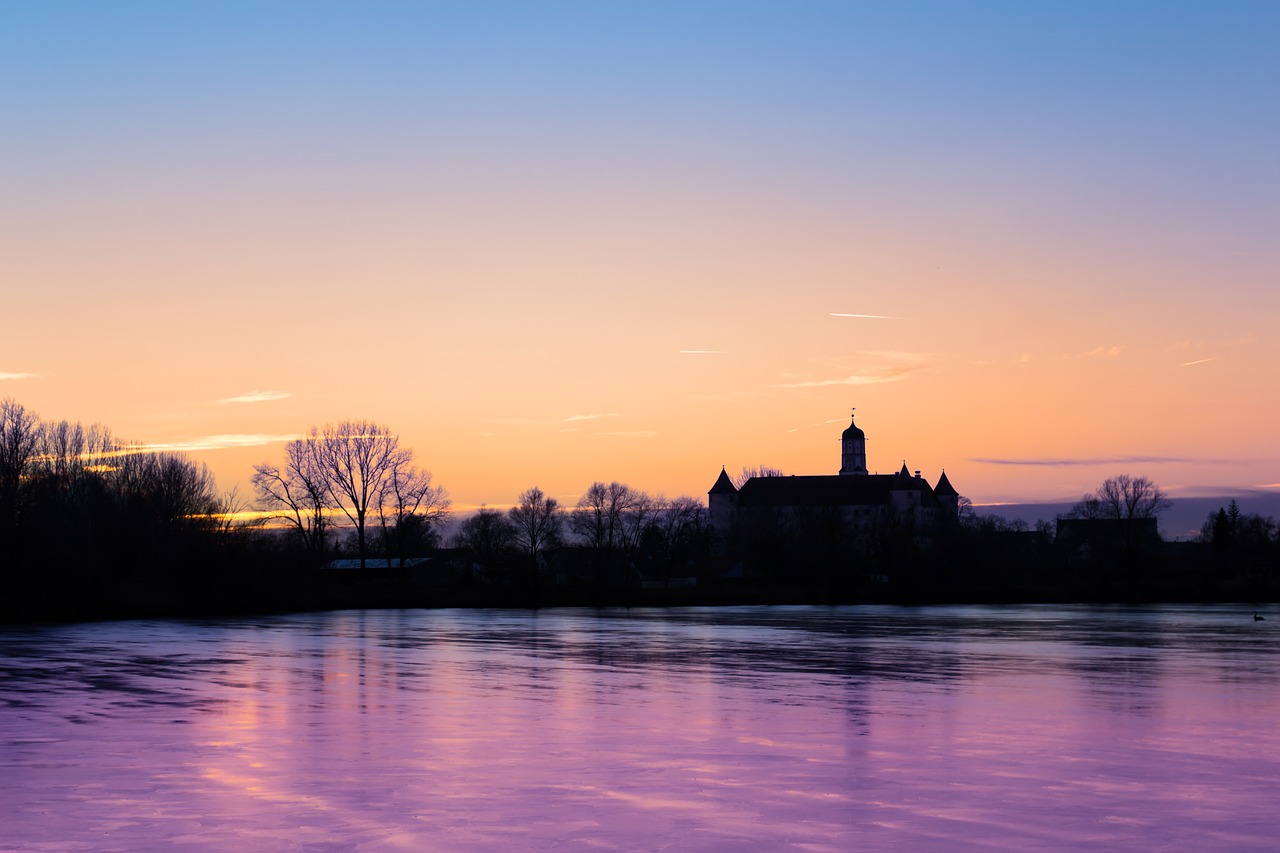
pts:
[692, 730]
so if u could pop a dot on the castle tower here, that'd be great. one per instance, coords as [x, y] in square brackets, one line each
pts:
[948, 497]
[722, 506]
[853, 450]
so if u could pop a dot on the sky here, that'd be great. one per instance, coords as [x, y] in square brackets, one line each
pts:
[553, 243]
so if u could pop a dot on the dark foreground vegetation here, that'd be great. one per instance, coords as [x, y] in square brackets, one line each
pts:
[91, 527]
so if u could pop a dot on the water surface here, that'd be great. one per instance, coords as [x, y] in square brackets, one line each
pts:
[943, 728]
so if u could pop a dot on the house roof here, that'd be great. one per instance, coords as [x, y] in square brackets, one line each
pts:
[944, 487]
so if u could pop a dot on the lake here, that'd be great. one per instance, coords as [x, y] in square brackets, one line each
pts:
[816, 729]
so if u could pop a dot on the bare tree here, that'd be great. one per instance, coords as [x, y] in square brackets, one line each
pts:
[169, 488]
[538, 522]
[488, 535]
[598, 518]
[356, 457]
[20, 437]
[1123, 498]
[680, 525]
[20, 433]
[681, 520]
[640, 513]
[297, 493]
[409, 505]
[359, 469]
[752, 473]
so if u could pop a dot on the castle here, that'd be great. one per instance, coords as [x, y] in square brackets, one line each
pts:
[864, 502]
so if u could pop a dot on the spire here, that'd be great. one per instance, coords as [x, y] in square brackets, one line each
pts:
[944, 487]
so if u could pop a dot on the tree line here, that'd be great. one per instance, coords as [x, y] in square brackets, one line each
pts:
[86, 517]
[80, 508]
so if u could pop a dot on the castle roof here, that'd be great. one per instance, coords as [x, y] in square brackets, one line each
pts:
[723, 485]
[852, 432]
[944, 487]
[835, 490]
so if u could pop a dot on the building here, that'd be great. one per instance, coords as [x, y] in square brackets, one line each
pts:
[863, 502]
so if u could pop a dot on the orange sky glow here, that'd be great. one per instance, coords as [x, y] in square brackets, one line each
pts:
[1033, 245]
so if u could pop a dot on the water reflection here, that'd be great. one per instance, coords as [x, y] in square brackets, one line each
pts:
[767, 728]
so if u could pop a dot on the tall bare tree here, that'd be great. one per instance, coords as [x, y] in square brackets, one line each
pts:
[359, 469]
[20, 435]
[538, 522]
[598, 518]
[297, 492]
[409, 504]
[356, 457]
[1124, 498]
[489, 535]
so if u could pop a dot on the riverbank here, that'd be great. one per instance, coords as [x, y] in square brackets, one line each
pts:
[315, 591]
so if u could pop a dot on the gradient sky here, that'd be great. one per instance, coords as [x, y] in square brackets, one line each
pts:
[1034, 244]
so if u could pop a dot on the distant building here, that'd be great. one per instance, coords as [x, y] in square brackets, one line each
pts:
[864, 502]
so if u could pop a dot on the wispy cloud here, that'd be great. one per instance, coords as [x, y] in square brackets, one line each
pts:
[215, 442]
[4, 376]
[1199, 361]
[576, 418]
[255, 397]
[1103, 460]
[1102, 352]
[819, 424]
[867, 377]
[866, 316]
[1021, 358]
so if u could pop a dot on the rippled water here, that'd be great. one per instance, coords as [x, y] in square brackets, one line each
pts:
[702, 729]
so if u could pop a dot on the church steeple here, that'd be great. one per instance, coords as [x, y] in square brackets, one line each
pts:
[853, 450]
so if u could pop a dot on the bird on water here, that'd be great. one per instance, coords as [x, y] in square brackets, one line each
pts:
[1257, 618]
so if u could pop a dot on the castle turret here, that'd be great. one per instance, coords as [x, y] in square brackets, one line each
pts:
[853, 450]
[948, 497]
[721, 509]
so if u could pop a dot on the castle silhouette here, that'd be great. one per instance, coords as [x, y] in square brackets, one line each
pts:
[864, 502]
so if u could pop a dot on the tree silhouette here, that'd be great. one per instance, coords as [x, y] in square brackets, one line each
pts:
[1122, 498]
[538, 522]
[20, 435]
[359, 469]
[298, 493]
[408, 505]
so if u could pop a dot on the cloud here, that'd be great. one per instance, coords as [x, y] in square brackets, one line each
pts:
[1199, 361]
[576, 418]
[819, 424]
[1023, 358]
[1102, 352]
[214, 442]
[1108, 460]
[869, 377]
[4, 376]
[866, 316]
[255, 397]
